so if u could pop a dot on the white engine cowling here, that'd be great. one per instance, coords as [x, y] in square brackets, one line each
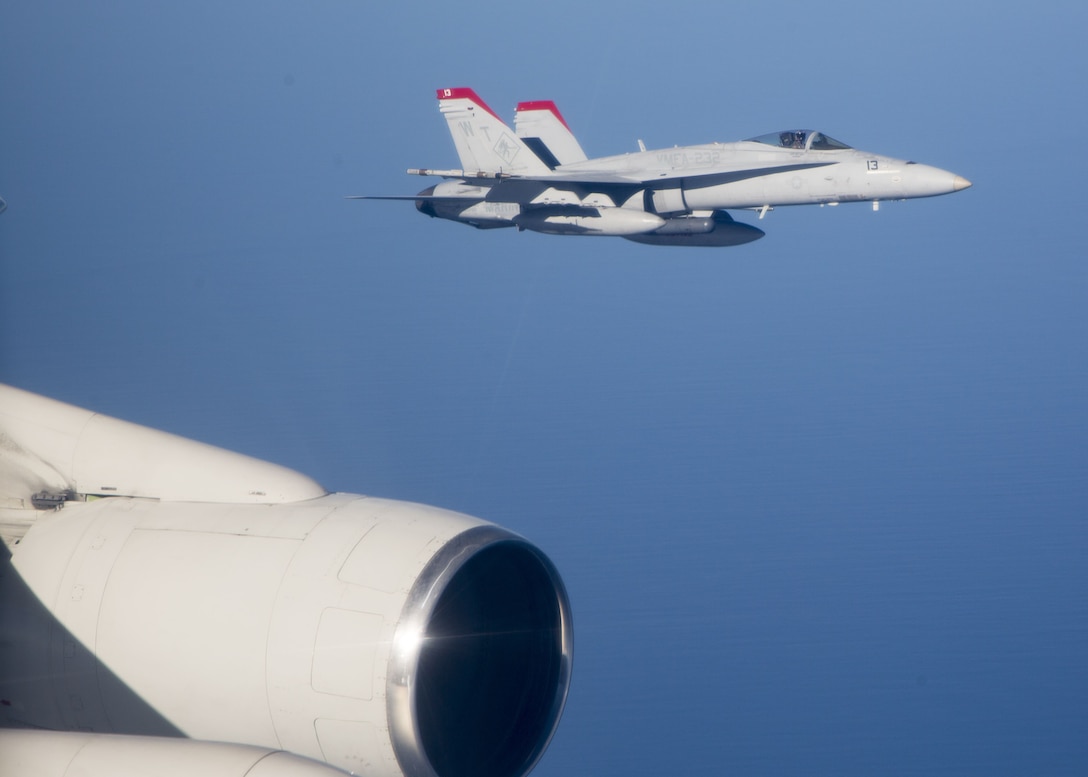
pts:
[378, 636]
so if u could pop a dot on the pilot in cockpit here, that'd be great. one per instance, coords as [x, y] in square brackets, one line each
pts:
[792, 139]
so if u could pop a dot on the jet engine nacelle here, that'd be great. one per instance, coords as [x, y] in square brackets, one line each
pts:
[378, 636]
[563, 220]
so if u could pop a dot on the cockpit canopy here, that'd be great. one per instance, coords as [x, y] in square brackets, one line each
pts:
[801, 139]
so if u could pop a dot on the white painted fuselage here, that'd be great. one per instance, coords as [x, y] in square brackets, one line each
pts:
[539, 179]
[771, 176]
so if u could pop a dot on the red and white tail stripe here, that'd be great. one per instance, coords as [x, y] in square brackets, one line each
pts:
[540, 124]
[483, 141]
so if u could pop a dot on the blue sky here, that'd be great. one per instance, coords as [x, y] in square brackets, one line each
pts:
[819, 500]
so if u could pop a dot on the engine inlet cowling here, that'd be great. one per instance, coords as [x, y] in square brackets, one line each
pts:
[482, 660]
[237, 602]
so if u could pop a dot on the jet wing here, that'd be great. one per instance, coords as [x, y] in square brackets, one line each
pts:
[687, 180]
[587, 177]
[524, 189]
[620, 188]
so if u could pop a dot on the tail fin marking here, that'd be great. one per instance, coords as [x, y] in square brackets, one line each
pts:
[482, 140]
[543, 128]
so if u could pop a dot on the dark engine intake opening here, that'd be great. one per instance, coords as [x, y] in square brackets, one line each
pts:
[493, 664]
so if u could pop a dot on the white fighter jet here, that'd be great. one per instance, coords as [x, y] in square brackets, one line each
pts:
[537, 177]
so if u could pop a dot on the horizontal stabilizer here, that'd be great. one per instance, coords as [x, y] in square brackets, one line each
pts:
[409, 198]
[416, 198]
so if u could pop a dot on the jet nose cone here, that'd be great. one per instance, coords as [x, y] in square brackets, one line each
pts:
[927, 181]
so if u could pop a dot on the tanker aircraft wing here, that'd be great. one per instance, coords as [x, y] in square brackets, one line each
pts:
[539, 178]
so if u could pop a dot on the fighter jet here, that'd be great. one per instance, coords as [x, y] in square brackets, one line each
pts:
[538, 178]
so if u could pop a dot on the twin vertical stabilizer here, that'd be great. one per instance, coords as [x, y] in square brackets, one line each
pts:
[483, 141]
[543, 128]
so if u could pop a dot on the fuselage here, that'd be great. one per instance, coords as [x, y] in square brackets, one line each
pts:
[774, 176]
[677, 194]
[538, 178]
